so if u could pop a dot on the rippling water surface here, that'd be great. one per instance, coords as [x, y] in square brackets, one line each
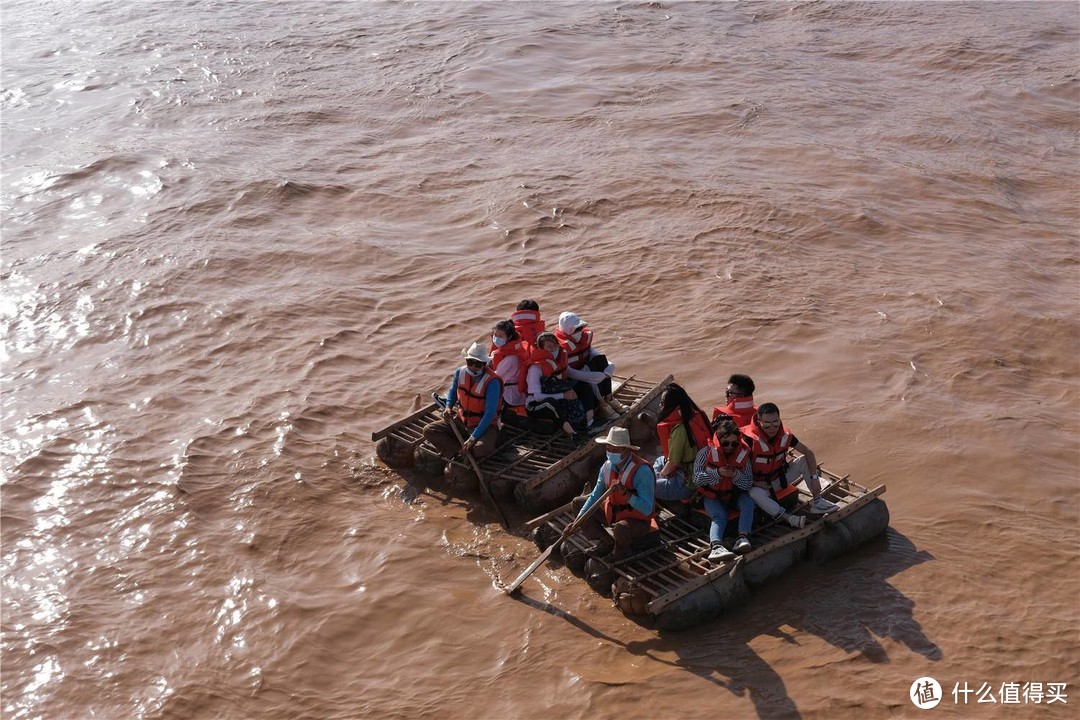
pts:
[239, 237]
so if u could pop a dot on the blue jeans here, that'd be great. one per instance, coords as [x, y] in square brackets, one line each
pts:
[672, 488]
[718, 511]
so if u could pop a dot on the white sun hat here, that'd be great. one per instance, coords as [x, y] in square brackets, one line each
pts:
[618, 437]
[476, 352]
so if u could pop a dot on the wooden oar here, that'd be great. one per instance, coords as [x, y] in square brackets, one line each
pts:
[480, 476]
[570, 530]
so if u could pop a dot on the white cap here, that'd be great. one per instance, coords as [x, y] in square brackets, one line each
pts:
[569, 322]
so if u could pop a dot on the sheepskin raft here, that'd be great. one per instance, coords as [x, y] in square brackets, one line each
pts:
[671, 582]
[540, 471]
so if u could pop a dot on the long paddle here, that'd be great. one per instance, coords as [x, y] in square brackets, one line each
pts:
[570, 530]
[476, 469]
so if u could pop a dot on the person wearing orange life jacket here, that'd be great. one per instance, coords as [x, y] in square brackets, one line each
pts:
[589, 368]
[527, 321]
[630, 508]
[473, 404]
[723, 478]
[510, 361]
[683, 430]
[770, 441]
[550, 397]
[740, 400]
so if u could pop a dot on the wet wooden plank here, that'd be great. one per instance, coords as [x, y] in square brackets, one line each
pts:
[854, 505]
[662, 602]
[637, 577]
[411, 419]
[409, 434]
[581, 452]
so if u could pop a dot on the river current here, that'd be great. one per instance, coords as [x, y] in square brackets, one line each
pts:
[240, 237]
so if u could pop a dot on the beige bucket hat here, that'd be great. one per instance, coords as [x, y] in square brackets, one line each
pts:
[618, 437]
[476, 352]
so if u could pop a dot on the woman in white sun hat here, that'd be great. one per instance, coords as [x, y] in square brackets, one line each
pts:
[587, 366]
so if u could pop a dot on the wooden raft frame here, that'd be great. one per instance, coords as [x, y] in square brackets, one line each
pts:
[679, 565]
[538, 457]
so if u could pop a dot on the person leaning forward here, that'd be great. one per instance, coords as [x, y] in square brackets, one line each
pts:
[629, 509]
[473, 404]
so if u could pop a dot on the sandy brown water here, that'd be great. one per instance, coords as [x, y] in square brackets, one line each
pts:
[239, 237]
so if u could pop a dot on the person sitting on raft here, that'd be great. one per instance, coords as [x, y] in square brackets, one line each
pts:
[723, 478]
[589, 368]
[740, 400]
[510, 361]
[770, 441]
[473, 404]
[550, 396]
[630, 508]
[527, 321]
[683, 430]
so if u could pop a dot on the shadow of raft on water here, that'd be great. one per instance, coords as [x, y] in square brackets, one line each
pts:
[846, 602]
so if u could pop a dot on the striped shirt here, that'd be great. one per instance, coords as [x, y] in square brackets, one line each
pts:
[704, 475]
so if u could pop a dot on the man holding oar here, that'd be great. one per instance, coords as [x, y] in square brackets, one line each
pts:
[624, 491]
[629, 508]
[474, 403]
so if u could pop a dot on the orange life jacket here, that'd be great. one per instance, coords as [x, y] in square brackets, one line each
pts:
[715, 458]
[768, 457]
[741, 410]
[551, 366]
[472, 396]
[617, 505]
[699, 430]
[528, 324]
[519, 349]
[577, 351]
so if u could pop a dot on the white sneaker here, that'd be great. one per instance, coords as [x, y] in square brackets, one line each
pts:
[742, 545]
[796, 521]
[820, 506]
[720, 553]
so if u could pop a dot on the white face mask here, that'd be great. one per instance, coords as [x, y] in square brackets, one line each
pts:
[576, 335]
[474, 373]
[498, 341]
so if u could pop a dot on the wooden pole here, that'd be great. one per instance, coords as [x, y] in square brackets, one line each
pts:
[570, 530]
[479, 475]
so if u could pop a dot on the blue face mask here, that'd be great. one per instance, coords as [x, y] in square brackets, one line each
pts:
[498, 341]
[614, 458]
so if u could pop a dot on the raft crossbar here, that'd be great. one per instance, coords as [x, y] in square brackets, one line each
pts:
[581, 452]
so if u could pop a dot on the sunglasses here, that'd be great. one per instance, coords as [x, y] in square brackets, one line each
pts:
[731, 393]
[729, 444]
[474, 363]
